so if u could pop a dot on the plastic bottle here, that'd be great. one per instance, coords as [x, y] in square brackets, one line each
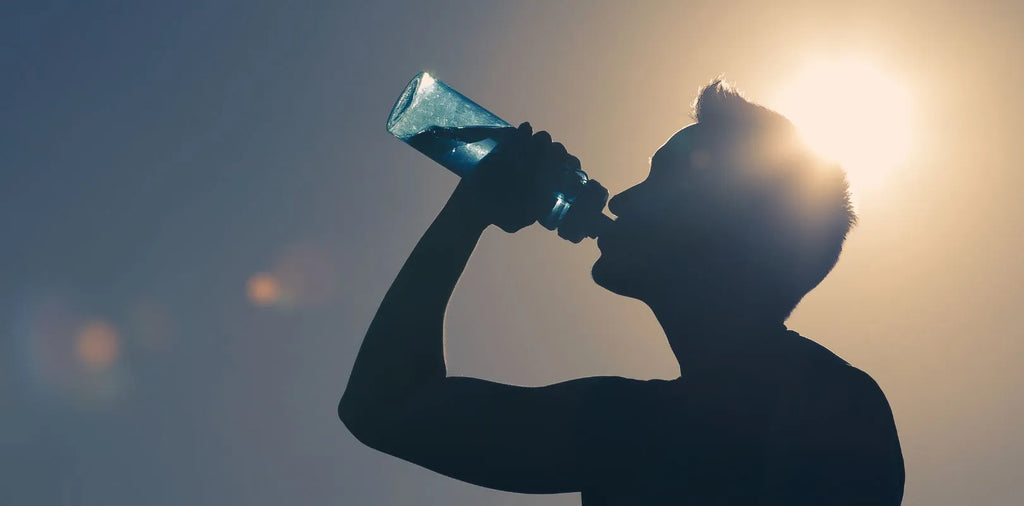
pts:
[454, 131]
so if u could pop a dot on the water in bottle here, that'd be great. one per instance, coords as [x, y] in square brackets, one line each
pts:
[457, 133]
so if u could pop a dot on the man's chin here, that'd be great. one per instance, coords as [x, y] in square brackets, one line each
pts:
[608, 277]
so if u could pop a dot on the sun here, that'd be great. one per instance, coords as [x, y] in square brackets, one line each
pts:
[852, 112]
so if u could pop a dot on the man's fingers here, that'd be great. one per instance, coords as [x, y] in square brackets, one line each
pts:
[540, 155]
[562, 159]
[573, 163]
[525, 129]
[541, 141]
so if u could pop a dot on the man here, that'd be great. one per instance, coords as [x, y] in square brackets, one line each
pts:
[736, 222]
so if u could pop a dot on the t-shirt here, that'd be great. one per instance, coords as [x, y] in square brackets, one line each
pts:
[788, 423]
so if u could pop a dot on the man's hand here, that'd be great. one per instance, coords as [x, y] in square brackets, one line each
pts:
[513, 186]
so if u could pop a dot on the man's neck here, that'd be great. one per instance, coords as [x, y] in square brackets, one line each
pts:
[705, 336]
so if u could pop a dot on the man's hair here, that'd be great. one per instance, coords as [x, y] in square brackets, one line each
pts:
[800, 202]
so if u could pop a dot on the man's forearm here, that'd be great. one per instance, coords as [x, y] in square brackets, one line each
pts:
[403, 349]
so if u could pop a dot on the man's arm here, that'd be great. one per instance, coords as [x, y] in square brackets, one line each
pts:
[399, 399]
[869, 467]
[403, 351]
[851, 451]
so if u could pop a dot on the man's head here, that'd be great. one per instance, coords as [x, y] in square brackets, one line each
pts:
[736, 210]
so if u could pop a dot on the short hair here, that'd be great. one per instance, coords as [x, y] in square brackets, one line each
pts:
[804, 209]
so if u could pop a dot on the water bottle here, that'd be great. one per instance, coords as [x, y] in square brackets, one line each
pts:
[456, 132]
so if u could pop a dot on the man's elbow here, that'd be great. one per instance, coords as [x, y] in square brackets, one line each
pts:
[362, 421]
[350, 414]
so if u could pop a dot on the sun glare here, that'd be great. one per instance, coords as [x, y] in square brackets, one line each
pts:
[851, 112]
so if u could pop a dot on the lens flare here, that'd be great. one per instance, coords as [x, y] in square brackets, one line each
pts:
[263, 289]
[97, 345]
[67, 353]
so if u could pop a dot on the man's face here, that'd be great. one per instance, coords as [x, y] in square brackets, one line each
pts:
[670, 228]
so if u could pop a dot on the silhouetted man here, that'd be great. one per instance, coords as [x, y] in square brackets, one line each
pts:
[735, 223]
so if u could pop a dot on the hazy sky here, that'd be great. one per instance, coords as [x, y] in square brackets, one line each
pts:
[156, 156]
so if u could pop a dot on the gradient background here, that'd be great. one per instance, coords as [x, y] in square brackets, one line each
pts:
[156, 156]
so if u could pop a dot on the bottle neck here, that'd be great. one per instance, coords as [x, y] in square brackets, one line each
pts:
[583, 217]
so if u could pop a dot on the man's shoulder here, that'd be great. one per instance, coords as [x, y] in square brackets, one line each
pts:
[811, 354]
[841, 419]
[824, 376]
[817, 364]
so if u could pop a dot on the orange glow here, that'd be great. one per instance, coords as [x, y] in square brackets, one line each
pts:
[263, 289]
[98, 345]
[854, 113]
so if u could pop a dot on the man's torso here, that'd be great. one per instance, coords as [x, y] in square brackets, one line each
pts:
[793, 424]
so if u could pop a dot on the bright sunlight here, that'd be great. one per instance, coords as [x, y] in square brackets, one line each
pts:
[851, 112]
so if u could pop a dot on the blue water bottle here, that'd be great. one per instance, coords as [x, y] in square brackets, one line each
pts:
[434, 118]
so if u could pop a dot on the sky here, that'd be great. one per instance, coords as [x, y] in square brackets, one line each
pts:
[200, 210]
